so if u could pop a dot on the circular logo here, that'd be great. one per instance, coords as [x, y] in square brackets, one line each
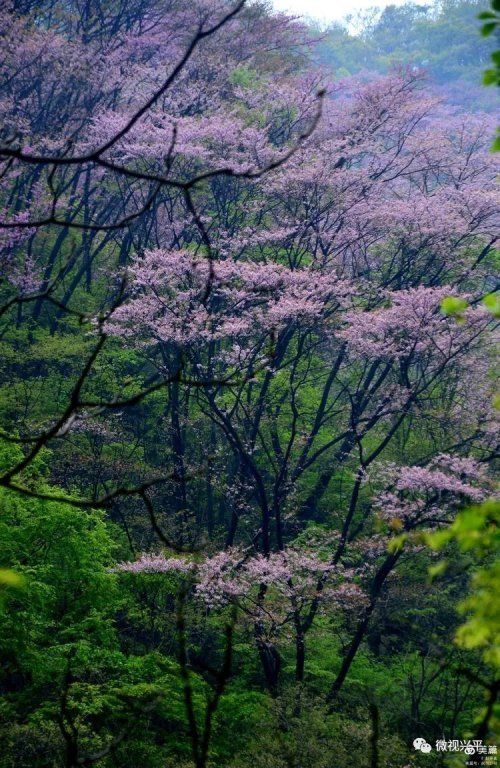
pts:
[469, 750]
[422, 745]
[418, 743]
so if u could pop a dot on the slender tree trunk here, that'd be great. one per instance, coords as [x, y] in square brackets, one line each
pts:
[378, 582]
[300, 655]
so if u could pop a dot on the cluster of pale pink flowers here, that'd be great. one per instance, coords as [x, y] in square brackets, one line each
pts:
[461, 466]
[84, 423]
[411, 324]
[423, 479]
[268, 586]
[21, 272]
[178, 297]
[417, 494]
[206, 137]
[156, 564]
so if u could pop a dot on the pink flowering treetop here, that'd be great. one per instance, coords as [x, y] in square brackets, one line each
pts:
[427, 495]
[274, 590]
[185, 300]
[412, 324]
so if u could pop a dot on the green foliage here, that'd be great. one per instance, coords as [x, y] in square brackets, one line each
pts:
[454, 306]
[244, 77]
[492, 304]
[476, 531]
[89, 656]
[442, 40]
[63, 668]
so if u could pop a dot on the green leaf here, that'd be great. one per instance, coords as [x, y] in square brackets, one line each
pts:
[452, 305]
[492, 304]
[10, 578]
[490, 77]
[487, 29]
[396, 544]
[437, 570]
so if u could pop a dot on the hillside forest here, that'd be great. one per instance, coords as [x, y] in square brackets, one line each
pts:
[248, 407]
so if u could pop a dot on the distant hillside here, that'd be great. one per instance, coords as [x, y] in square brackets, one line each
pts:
[442, 38]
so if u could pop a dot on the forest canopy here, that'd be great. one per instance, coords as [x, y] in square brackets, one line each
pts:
[248, 411]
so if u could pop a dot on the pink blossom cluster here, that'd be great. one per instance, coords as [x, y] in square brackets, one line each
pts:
[156, 564]
[411, 324]
[290, 579]
[420, 493]
[421, 479]
[167, 298]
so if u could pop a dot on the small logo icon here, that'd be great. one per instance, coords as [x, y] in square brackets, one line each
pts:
[422, 745]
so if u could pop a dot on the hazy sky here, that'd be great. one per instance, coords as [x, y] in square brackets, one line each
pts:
[329, 10]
